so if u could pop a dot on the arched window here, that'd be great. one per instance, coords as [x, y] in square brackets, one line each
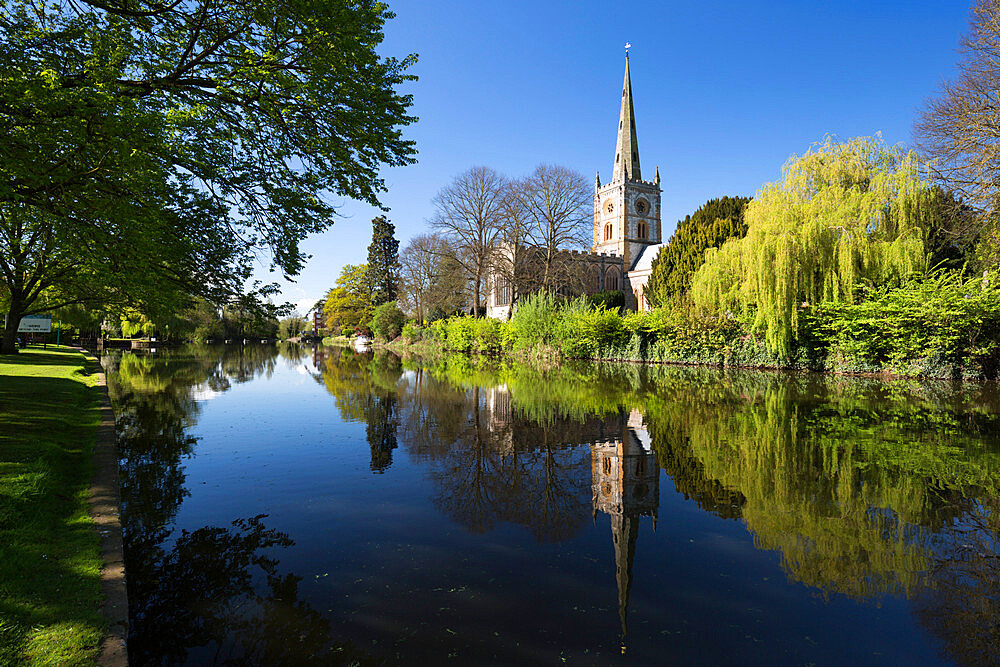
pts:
[593, 280]
[611, 279]
[642, 231]
[609, 232]
[503, 292]
[607, 465]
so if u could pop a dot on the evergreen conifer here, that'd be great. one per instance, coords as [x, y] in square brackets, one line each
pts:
[383, 261]
[716, 221]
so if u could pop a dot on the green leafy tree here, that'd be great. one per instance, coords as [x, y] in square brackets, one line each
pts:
[383, 261]
[844, 214]
[291, 326]
[349, 304]
[715, 222]
[152, 150]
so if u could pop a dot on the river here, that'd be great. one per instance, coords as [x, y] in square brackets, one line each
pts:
[291, 505]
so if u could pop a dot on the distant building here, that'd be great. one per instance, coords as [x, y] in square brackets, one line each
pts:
[627, 228]
[318, 321]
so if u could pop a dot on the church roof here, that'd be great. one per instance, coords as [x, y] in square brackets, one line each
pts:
[644, 260]
[627, 149]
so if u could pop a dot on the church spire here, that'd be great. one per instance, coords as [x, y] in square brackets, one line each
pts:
[627, 150]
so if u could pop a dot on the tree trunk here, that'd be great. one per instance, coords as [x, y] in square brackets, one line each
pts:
[9, 344]
[475, 302]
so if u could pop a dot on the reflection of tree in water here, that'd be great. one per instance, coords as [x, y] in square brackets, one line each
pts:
[380, 415]
[203, 596]
[203, 591]
[294, 352]
[364, 386]
[864, 487]
[962, 607]
[490, 464]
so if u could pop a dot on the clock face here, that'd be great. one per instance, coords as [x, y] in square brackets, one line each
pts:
[641, 207]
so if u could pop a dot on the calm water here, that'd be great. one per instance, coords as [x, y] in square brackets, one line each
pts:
[287, 506]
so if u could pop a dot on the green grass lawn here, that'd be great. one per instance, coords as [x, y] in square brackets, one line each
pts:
[50, 563]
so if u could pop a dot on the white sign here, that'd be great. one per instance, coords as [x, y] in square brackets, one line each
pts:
[35, 324]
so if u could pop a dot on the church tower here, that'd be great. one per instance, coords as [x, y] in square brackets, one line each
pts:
[627, 209]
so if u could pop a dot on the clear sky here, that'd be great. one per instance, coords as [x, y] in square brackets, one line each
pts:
[725, 92]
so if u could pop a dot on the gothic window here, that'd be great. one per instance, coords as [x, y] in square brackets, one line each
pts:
[611, 279]
[642, 232]
[609, 232]
[504, 292]
[594, 280]
[609, 206]
[607, 465]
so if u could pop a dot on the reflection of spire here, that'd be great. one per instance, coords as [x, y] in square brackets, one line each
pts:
[626, 485]
[624, 531]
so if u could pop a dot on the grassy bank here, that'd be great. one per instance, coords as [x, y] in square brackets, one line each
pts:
[49, 557]
[336, 340]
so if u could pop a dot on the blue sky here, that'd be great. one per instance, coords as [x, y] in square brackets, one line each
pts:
[725, 92]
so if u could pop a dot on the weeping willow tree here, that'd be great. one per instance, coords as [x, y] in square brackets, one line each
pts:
[843, 215]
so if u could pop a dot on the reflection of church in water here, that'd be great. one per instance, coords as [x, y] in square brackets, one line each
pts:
[625, 477]
[626, 486]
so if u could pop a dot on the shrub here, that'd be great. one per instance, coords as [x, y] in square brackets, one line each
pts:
[941, 325]
[535, 319]
[583, 330]
[388, 320]
[609, 299]
[413, 331]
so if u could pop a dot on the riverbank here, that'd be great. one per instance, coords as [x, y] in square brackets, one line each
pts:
[920, 333]
[50, 560]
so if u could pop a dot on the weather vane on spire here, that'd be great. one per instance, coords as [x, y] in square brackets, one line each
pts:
[627, 47]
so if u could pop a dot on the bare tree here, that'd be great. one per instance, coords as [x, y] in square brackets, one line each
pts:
[430, 278]
[508, 269]
[959, 130]
[417, 264]
[469, 212]
[556, 203]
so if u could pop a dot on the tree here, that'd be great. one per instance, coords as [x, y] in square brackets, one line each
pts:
[152, 150]
[957, 130]
[383, 262]
[844, 214]
[715, 221]
[509, 273]
[556, 203]
[291, 326]
[388, 320]
[469, 214]
[349, 303]
[419, 263]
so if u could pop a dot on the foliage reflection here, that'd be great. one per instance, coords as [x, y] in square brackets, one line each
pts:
[197, 596]
[864, 487]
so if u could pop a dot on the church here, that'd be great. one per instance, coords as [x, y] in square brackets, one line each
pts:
[627, 227]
